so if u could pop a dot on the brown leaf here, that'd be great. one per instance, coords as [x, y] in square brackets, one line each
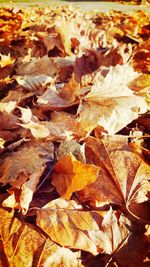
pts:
[67, 224]
[28, 160]
[70, 175]
[123, 177]
[21, 198]
[71, 146]
[61, 126]
[26, 245]
[53, 99]
[52, 41]
[38, 66]
[135, 252]
[23, 170]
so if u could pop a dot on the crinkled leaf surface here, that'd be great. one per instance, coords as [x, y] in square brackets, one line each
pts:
[123, 177]
[26, 245]
[68, 225]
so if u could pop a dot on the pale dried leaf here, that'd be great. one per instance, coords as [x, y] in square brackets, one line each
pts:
[8, 106]
[112, 114]
[34, 83]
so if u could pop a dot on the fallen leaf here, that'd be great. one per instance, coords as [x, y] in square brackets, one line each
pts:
[71, 146]
[112, 114]
[114, 84]
[26, 244]
[123, 178]
[53, 255]
[52, 99]
[34, 83]
[38, 66]
[2, 142]
[6, 60]
[68, 225]
[61, 126]
[8, 106]
[70, 175]
[52, 41]
[28, 160]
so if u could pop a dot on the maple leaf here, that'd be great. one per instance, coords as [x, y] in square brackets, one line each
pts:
[110, 104]
[123, 178]
[25, 244]
[70, 175]
[67, 224]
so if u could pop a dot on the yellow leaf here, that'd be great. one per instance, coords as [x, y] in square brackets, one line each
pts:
[2, 142]
[5, 60]
[70, 175]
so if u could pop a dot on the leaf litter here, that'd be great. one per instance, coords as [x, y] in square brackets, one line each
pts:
[74, 137]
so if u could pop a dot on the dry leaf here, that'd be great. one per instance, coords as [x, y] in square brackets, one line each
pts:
[112, 114]
[25, 244]
[70, 175]
[34, 83]
[28, 160]
[52, 99]
[38, 66]
[7, 106]
[93, 231]
[23, 170]
[2, 142]
[5, 60]
[61, 126]
[73, 147]
[123, 178]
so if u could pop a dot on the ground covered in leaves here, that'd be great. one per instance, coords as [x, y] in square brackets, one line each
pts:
[74, 138]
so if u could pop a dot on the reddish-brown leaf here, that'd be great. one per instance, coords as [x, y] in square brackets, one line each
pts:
[123, 177]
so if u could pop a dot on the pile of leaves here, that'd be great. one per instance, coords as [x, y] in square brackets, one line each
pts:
[74, 137]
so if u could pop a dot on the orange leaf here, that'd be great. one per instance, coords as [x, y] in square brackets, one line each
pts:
[70, 175]
[26, 245]
[67, 224]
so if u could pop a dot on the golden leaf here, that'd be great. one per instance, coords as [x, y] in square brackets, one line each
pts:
[26, 245]
[70, 175]
[94, 231]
